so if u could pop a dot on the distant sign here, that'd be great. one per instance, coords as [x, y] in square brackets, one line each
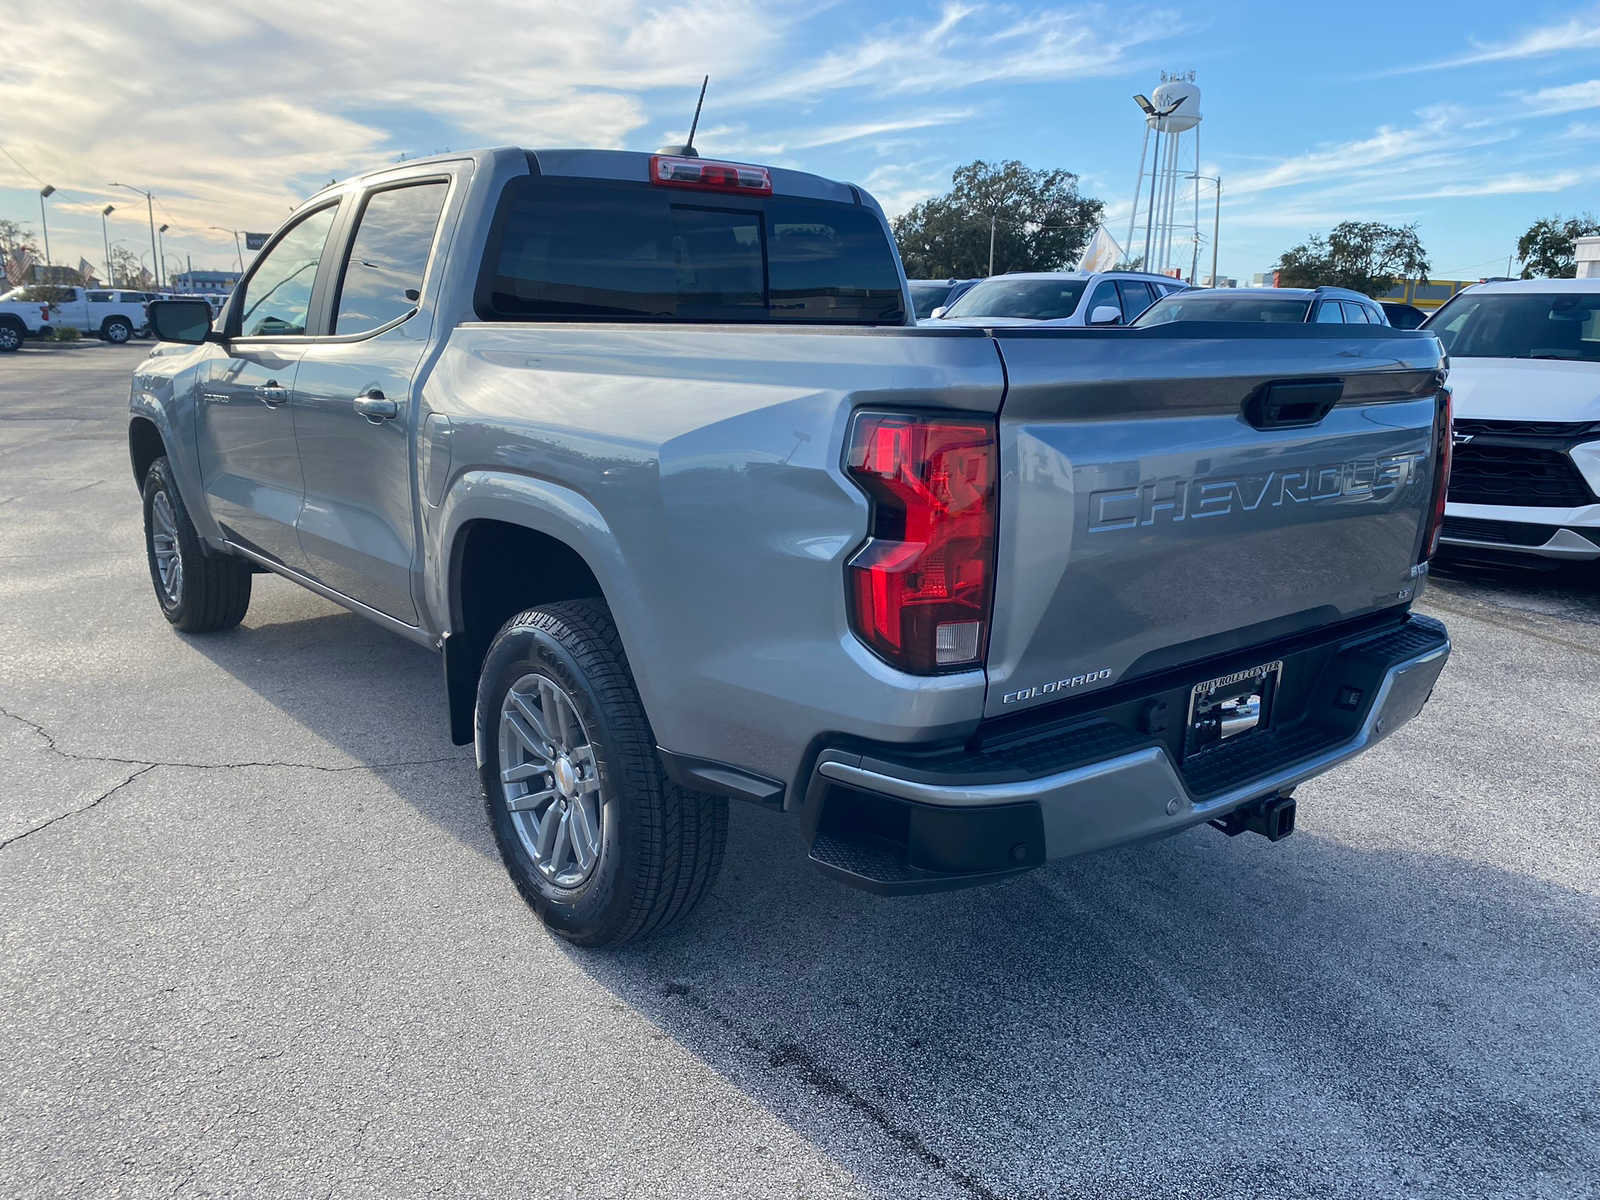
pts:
[254, 241]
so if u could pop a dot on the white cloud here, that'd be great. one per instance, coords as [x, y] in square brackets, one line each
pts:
[1576, 33]
[254, 106]
[1568, 98]
[975, 44]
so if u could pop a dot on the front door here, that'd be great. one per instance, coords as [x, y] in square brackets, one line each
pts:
[353, 415]
[249, 463]
[247, 450]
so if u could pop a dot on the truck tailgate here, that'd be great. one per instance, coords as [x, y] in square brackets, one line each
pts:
[1146, 521]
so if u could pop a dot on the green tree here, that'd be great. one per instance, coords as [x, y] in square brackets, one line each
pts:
[124, 267]
[15, 236]
[1546, 249]
[1364, 256]
[1041, 222]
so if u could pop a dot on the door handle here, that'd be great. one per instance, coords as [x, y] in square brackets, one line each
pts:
[376, 407]
[271, 394]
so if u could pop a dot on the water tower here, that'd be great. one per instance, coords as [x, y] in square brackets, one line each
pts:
[1156, 231]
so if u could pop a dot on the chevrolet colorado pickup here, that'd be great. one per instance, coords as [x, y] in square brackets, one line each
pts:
[651, 450]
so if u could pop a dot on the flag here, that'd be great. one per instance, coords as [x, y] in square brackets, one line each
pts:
[86, 269]
[1102, 253]
[18, 266]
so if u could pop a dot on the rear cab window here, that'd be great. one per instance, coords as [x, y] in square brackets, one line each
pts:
[567, 248]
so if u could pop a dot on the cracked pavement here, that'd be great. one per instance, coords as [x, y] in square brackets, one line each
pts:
[256, 940]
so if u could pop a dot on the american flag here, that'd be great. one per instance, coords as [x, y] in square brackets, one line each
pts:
[86, 269]
[19, 266]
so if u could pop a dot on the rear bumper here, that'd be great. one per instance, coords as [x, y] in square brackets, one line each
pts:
[964, 817]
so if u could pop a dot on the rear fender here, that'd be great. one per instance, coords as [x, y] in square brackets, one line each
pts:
[543, 507]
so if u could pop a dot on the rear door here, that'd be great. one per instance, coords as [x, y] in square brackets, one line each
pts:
[353, 414]
[248, 460]
[1147, 522]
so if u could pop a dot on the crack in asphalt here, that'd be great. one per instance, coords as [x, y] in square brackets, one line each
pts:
[72, 812]
[144, 765]
[803, 1065]
[52, 747]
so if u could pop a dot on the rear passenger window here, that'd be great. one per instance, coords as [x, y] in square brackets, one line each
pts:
[600, 250]
[1328, 313]
[1354, 314]
[1135, 297]
[389, 255]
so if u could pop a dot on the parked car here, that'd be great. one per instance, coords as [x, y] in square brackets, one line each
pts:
[1402, 316]
[929, 294]
[1525, 369]
[1058, 298]
[115, 314]
[649, 449]
[24, 313]
[1270, 306]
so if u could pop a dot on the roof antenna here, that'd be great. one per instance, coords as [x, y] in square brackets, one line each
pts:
[687, 150]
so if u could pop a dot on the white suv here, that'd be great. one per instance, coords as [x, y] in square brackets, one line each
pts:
[1525, 370]
[1058, 298]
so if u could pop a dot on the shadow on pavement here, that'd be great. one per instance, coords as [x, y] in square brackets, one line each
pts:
[1195, 1017]
[1566, 589]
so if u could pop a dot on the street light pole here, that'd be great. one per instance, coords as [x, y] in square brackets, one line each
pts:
[991, 243]
[105, 235]
[161, 255]
[150, 211]
[237, 247]
[44, 192]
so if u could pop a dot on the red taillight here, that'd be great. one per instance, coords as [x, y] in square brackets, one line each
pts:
[1444, 424]
[921, 588]
[44, 312]
[706, 176]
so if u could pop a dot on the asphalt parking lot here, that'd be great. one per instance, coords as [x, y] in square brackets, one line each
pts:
[257, 940]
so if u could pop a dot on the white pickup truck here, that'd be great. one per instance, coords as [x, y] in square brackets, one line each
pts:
[115, 314]
[24, 313]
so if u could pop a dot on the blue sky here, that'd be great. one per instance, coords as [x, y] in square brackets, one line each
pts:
[1470, 118]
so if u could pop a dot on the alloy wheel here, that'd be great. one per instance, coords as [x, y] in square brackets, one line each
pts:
[550, 782]
[164, 545]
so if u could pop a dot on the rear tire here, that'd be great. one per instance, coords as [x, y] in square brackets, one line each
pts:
[657, 848]
[11, 334]
[116, 330]
[199, 592]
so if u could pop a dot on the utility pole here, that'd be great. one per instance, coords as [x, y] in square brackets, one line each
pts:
[150, 210]
[991, 243]
[44, 192]
[1216, 226]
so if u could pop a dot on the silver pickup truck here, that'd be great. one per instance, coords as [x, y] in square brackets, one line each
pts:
[651, 450]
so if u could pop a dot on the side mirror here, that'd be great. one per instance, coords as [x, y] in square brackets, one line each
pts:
[186, 321]
[938, 312]
[1105, 314]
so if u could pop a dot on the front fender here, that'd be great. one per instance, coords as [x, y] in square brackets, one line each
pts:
[163, 392]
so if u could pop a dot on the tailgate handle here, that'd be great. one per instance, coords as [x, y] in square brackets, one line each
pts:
[1292, 403]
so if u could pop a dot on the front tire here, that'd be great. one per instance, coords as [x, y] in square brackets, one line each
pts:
[198, 592]
[116, 330]
[599, 842]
